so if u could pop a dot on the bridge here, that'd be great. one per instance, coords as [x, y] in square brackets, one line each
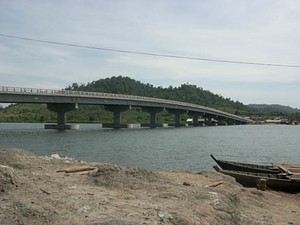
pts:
[63, 101]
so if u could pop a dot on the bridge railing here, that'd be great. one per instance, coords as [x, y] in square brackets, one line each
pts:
[21, 90]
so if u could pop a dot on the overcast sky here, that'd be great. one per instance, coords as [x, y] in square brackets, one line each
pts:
[265, 31]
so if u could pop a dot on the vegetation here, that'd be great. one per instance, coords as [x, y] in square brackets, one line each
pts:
[185, 93]
[125, 85]
[26, 113]
[275, 110]
[30, 113]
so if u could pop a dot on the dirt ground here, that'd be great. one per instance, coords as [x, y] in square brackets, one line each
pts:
[33, 192]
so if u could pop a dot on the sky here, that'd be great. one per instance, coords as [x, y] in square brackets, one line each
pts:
[264, 31]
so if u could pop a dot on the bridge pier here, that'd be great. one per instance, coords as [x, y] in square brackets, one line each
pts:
[61, 109]
[210, 121]
[230, 122]
[177, 113]
[116, 109]
[196, 116]
[153, 111]
[222, 121]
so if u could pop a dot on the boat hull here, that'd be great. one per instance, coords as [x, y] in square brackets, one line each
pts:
[273, 181]
[236, 166]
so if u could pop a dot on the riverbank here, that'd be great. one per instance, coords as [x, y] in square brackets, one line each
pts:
[33, 192]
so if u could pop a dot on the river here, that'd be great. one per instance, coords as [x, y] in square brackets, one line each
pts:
[168, 149]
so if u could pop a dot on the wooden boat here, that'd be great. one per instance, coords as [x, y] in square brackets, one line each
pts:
[247, 167]
[279, 182]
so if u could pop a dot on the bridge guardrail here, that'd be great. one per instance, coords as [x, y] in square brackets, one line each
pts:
[21, 90]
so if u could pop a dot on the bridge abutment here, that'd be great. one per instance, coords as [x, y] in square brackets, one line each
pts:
[61, 109]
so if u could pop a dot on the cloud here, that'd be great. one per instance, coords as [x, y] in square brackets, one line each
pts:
[216, 72]
[255, 31]
[267, 94]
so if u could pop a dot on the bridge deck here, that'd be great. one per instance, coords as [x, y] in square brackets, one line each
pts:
[35, 95]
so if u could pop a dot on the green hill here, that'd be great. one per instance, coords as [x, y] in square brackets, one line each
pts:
[185, 93]
[275, 108]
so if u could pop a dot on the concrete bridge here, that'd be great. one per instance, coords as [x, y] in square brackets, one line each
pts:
[62, 101]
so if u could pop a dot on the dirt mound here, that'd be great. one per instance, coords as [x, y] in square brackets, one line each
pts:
[16, 158]
[22, 213]
[8, 178]
[123, 177]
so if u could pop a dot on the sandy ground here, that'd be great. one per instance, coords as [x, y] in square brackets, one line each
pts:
[33, 192]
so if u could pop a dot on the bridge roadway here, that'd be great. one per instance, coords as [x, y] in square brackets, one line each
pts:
[62, 101]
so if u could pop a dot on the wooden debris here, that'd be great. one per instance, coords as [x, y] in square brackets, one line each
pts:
[285, 170]
[186, 184]
[46, 192]
[77, 169]
[215, 184]
[290, 165]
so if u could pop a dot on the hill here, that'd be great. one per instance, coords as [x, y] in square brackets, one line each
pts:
[275, 108]
[185, 93]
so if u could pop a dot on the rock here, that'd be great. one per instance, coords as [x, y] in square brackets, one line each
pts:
[186, 184]
[55, 156]
[164, 216]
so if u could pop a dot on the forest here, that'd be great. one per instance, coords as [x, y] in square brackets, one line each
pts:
[185, 93]
[126, 85]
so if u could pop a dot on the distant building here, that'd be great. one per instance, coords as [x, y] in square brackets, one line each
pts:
[190, 120]
[277, 121]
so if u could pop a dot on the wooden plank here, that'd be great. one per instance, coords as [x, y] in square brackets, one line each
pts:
[294, 170]
[77, 169]
[287, 165]
[285, 170]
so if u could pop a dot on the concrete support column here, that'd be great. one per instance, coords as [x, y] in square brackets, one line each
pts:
[222, 121]
[196, 116]
[61, 109]
[209, 120]
[230, 122]
[153, 111]
[177, 113]
[61, 118]
[116, 109]
[117, 117]
[177, 119]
